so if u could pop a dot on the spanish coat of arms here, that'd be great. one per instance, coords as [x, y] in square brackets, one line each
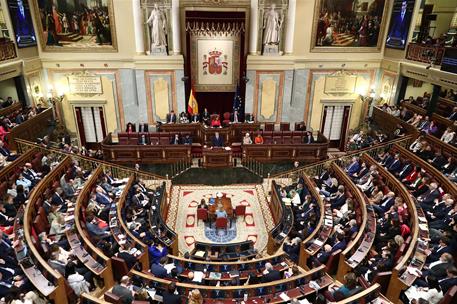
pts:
[215, 63]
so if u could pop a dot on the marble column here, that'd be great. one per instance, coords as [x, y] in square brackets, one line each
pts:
[175, 26]
[254, 27]
[290, 27]
[138, 26]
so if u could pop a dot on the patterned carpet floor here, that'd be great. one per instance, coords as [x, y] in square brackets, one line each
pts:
[182, 216]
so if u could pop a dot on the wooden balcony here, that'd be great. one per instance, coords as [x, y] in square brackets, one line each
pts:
[7, 50]
[423, 53]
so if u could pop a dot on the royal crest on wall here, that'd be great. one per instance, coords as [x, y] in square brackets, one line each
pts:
[215, 59]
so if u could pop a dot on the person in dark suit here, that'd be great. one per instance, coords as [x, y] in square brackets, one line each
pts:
[123, 291]
[395, 165]
[143, 140]
[206, 118]
[248, 117]
[338, 201]
[386, 203]
[175, 140]
[427, 199]
[324, 255]
[435, 253]
[340, 243]
[235, 117]
[159, 270]
[450, 280]
[308, 138]
[400, 25]
[171, 117]
[169, 295]
[217, 140]
[270, 274]
[143, 127]
[6, 152]
[128, 258]
[405, 171]
[187, 140]
[195, 118]
[57, 198]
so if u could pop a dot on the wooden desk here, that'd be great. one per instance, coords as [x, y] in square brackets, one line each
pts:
[226, 205]
[31, 129]
[217, 158]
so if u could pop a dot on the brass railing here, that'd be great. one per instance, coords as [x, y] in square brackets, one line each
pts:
[180, 167]
[254, 166]
[317, 168]
[88, 162]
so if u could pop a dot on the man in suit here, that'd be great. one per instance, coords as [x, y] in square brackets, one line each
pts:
[217, 140]
[94, 230]
[435, 253]
[338, 199]
[400, 25]
[124, 253]
[427, 199]
[235, 117]
[308, 138]
[450, 280]
[169, 295]
[453, 115]
[195, 118]
[324, 255]
[123, 291]
[143, 128]
[187, 140]
[395, 165]
[175, 140]
[101, 197]
[353, 167]
[248, 117]
[171, 117]
[340, 243]
[57, 199]
[386, 203]
[270, 274]
[143, 140]
[6, 152]
[405, 171]
[159, 270]
[438, 161]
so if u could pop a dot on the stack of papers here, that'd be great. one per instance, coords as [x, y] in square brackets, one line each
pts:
[198, 276]
[284, 297]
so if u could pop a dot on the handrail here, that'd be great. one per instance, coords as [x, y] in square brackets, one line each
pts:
[320, 202]
[253, 261]
[326, 163]
[358, 296]
[127, 170]
[407, 198]
[29, 208]
[444, 182]
[29, 129]
[305, 274]
[11, 109]
[12, 167]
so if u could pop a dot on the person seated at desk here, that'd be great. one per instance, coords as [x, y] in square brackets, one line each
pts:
[187, 140]
[220, 212]
[130, 128]
[124, 290]
[235, 117]
[258, 139]
[6, 152]
[308, 138]
[249, 118]
[143, 140]
[195, 118]
[143, 128]
[217, 141]
[206, 117]
[247, 139]
[183, 118]
[216, 123]
[171, 117]
[270, 274]
[175, 140]
[202, 204]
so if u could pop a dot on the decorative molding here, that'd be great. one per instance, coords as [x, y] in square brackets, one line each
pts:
[214, 29]
[149, 99]
[279, 101]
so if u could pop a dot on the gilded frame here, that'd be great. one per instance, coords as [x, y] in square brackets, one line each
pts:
[57, 49]
[351, 49]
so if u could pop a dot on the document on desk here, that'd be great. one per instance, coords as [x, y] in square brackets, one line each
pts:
[169, 267]
[284, 297]
[198, 276]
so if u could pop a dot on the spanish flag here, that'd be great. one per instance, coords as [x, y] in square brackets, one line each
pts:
[192, 106]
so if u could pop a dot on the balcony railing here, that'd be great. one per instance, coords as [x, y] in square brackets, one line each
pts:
[425, 53]
[7, 50]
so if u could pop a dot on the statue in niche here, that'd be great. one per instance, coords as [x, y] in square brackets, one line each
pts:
[272, 22]
[158, 24]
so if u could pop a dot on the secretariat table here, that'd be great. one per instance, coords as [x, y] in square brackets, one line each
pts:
[217, 157]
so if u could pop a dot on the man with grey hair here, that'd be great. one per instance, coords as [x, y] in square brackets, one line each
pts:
[270, 274]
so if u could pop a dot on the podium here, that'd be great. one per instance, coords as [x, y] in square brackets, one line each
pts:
[217, 157]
